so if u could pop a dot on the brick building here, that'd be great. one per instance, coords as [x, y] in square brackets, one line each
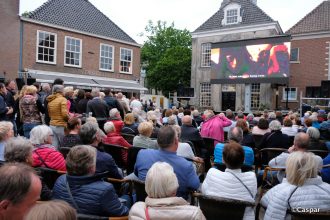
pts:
[310, 59]
[235, 20]
[73, 40]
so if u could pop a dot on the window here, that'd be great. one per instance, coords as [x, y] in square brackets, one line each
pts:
[292, 96]
[106, 57]
[205, 95]
[255, 95]
[294, 57]
[232, 16]
[46, 47]
[72, 52]
[125, 60]
[206, 55]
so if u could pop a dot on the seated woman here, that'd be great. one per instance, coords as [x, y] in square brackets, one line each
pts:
[130, 127]
[161, 203]
[232, 184]
[262, 127]
[143, 140]
[44, 154]
[302, 188]
[275, 138]
[115, 138]
[288, 128]
[84, 190]
[72, 138]
[19, 150]
[6, 132]
[247, 136]
[315, 143]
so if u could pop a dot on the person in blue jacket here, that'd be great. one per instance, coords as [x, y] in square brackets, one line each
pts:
[83, 190]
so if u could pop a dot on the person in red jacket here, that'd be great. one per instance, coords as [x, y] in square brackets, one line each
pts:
[44, 154]
[115, 138]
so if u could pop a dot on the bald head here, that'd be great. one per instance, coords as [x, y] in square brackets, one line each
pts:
[301, 141]
[186, 120]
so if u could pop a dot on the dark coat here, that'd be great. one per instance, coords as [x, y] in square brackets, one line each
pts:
[3, 109]
[113, 103]
[190, 133]
[275, 139]
[92, 195]
[81, 106]
[130, 129]
[98, 107]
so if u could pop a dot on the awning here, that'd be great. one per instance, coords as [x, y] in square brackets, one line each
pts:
[86, 81]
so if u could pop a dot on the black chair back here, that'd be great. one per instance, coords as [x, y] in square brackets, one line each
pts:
[128, 137]
[307, 215]
[267, 154]
[291, 140]
[116, 152]
[215, 208]
[192, 146]
[49, 176]
[64, 151]
[223, 167]
[139, 187]
[322, 153]
[257, 140]
[131, 158]
[81, 216]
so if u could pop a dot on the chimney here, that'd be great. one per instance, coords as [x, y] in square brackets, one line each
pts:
[254, 1]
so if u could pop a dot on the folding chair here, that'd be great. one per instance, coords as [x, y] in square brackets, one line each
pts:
[116, 152]
[49, 176]
[131, 158]
[128, 137]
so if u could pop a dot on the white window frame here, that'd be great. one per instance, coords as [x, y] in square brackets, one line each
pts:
[255, 92]
[80, 52]
[298, 60]
[231, 7]
[289, 97]
[112, 57]
[206, 54]
[120, 60]
[205, 94]
[37, 47]
[235, 10]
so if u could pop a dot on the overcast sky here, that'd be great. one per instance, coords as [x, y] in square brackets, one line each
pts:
[132, 15]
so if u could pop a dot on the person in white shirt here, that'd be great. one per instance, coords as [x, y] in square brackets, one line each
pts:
[288, 129]
[233, 183]
[135, 104]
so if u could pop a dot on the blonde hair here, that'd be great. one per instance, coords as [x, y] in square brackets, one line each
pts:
[102, 95]
[145, 128]
[67, 90]
[161, 181]
[109, 127]
[300, 166]
[22, 92]
[52, 210]
[129, 119]
[30, 90]
[91, 119]
[5, 127]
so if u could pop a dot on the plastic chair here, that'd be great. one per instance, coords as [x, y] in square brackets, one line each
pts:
[116, 152]
[128, 137]
[131, 158]
[49, 176]
[215, 208]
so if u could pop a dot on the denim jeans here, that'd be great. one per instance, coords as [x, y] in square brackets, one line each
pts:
[58, 132]
[27, 127]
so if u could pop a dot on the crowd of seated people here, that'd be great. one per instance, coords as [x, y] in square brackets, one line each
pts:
[171, 151]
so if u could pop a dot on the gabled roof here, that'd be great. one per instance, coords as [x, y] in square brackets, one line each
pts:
[317, 20]
[79, 15]
[251, 14]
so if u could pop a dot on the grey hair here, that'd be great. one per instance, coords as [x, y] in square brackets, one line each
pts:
[39, 134]
[109, 127]
[113, 112]
[95, 92]
[272, 115]
[161, 181]
[5, 127]
[45, 87]
[177, 128]
[313, 133]
[301, 140]
[171, 120]
[235, 134]
[275, 125]
[18, 150]
[58, 89]
[195, 113]
[88, 132]
[81, 160]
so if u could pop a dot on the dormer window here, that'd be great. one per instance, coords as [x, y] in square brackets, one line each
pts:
[232, 14]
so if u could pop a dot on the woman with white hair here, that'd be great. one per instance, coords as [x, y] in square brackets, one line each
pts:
[6, 132]
[315, 143]
[275, 138]
[44, 154]
[143, 139]
[302, 188]
[161, 203]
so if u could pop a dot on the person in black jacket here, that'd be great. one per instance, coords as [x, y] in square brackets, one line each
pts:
[275, 138]
[10, 100]
[188, 131]
[112, 102]
[4, 109]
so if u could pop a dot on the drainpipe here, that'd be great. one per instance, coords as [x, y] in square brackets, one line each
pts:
[20, 67]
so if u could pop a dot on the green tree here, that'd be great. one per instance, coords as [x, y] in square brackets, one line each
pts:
[166, 56]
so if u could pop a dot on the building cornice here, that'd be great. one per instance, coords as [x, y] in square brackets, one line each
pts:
[77, 31]
[239, 29]
[313, 35]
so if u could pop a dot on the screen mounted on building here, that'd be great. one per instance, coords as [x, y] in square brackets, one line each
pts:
[264, 60]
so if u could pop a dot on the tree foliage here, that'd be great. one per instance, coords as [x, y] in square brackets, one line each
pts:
[166, 56]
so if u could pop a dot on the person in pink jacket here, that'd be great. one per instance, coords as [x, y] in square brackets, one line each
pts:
[213, 125]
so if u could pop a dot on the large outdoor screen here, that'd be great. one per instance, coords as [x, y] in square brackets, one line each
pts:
[252, 61]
